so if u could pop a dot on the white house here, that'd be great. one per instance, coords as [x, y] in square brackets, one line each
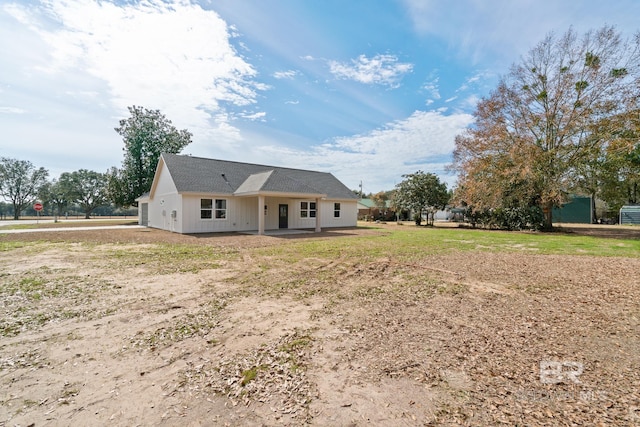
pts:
[197, 195]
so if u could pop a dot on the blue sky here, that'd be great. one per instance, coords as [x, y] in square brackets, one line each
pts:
[367, 90]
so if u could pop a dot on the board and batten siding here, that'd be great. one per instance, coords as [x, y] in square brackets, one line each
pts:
[348, 213]
[241, 215]
[165, 207]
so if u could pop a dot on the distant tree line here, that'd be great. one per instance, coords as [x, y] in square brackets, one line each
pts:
[146, 134]
[565, 120]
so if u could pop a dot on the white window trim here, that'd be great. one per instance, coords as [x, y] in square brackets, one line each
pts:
[225, 210]
[206, 209]
[308, 210]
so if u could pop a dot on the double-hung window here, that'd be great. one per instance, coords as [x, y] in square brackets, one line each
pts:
[336, 210]
[221, 209]
[210, 208]
[206, 208]
[307, 209]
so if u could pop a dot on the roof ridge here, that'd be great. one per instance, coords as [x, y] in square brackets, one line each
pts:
[203, 175]
[246, 163]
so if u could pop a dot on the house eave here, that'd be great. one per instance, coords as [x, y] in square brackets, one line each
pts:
[281, 194]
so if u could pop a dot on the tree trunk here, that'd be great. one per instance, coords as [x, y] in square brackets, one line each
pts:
[547, 210]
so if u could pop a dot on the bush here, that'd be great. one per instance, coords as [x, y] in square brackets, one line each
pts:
[516, 218]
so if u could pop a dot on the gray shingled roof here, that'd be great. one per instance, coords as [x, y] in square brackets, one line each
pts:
[200, 175]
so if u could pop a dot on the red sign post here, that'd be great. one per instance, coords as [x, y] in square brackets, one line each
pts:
[38, 207]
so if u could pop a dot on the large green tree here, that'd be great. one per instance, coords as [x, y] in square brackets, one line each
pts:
[548, 116]
[420, 193]
[86, 188]
[146, 134]
[54, 197]
[620, 182]
[20, 182]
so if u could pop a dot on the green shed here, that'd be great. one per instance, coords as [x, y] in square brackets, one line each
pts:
[630, 214]
[578, 210]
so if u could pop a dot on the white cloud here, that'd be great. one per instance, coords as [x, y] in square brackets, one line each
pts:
[432, 87]
[289, 74]
[172, 56]
[478, 81]
[381, 69]
[425, 141]
[12, 110]
[254, 116]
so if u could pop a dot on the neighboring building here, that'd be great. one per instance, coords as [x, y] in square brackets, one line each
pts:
[369, 211]
[578, 210]
[630, 214]
[198, 195]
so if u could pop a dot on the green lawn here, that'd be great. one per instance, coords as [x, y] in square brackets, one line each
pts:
[411, 241]
[70, 224]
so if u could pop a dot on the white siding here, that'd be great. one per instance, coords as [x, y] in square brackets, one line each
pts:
[295, 220]
[242, 214]
[165, 201]
[348, 214]
[272, 220]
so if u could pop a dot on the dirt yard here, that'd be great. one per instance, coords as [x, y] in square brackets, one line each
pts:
[97, 328]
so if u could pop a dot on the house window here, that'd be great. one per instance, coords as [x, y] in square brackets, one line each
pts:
[206, 206]
[307, 209]
[221, 209]
[336, 210]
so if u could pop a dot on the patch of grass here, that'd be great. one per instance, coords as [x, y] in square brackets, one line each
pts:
[415, 242]
[33, 299]
[295, 344]
[169, 258]
[250, 374]
[388, 263]
[452, 288]
[26, 226]
[70, 224]
[9, 245]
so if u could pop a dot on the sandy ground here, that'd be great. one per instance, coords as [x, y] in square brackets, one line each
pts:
[99, 336]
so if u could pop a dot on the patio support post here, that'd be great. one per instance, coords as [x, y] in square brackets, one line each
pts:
[261, 212]
[318, 215]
